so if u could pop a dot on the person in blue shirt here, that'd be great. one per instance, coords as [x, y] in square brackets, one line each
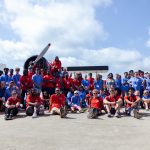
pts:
[125, 83]
[68, 98]
[118, 81]
[136, 82]
[82, 95]
[37, 80]
[16, 77]
[146, 99]
[75, 102]
[98, 83]
[86, 84]
[2, 96]
[5, 78]
[9, 90]
[148, 82]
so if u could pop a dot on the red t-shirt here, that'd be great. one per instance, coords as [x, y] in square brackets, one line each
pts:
[112, 99]
[56, 65]
[96, 103]
[132, 98]
[57, 101]
[25, 83]
[67, 83]
[59, 83]
[48, 83]
[11, 101]
[91, 80]
[33, 99]
[76, 83]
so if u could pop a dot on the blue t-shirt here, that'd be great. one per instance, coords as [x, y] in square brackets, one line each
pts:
[125, 84]
[68, 98]
[118, 83]
[37, 79]
[75, 100]
[136, 83]
[85, 83]
[98, 84]
[16, 79]
[6, 79]
[146, 97]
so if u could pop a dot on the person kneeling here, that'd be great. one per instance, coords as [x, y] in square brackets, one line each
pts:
[12, 105]
[132, 102]
[57, 104]
[113, 103]
[34, 105]
[95, 106]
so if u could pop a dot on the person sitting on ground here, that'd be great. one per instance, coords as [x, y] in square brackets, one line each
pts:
[132, 101]
[34, 105]
[146, 99]
[45, 98]
[57, 104]
[113, 104]
[76, 102]
[12, 105]
[96, 105]
[11, 88]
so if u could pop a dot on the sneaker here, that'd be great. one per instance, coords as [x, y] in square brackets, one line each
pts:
[34, 115]
[10, 117]
[109, 115]
[63, 112]
[6, 117]
[118, 115]
[136, 114]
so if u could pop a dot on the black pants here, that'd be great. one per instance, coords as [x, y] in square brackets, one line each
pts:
[23, 94]
[11, 111]
[30, 111]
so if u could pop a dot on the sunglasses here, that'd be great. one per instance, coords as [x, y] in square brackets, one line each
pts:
[75, 93]
[95, 93]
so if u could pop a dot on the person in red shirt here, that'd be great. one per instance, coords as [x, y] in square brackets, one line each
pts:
[57, 104]
[89, 96]
[12, 105]
[34, 105]
[67, 84]
[56, 66]
[96, 105]
[49, 83]
[132, 101]
[91, 80]
[26, 84]
[113, 104]
[76, 82]
[60, 83]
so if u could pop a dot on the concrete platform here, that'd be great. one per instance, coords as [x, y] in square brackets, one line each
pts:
[75, 133]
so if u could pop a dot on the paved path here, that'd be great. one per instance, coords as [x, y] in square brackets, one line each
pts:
[75, 133]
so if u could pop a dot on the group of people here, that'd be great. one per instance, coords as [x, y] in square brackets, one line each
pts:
[57, 91]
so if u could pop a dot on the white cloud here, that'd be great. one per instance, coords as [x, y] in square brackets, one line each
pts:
[70, 26]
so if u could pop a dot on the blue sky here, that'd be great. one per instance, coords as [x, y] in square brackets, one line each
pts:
[100, 32]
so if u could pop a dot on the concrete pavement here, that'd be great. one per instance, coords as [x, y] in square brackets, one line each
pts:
[75, 133]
